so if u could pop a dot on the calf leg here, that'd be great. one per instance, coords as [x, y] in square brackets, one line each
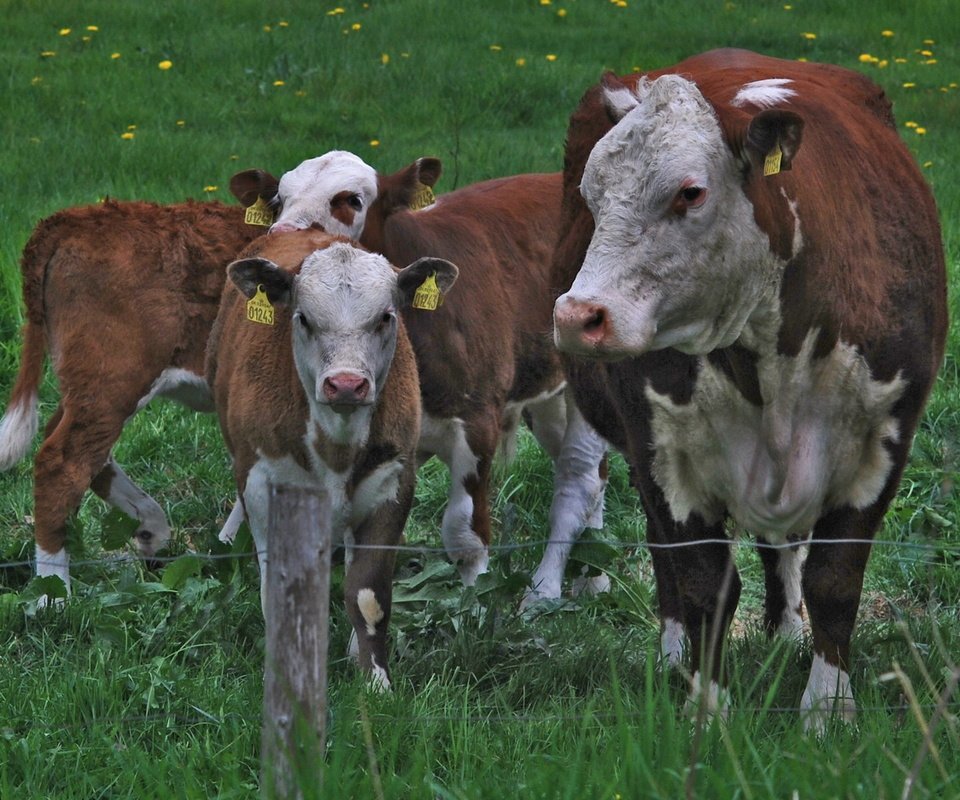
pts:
[580, 478]
[782, 571]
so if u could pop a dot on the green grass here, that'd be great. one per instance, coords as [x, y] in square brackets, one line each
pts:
[137, 689]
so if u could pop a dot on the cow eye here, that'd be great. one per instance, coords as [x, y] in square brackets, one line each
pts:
[302, 322]
[385, 320]
[693, 195]
[355, 202]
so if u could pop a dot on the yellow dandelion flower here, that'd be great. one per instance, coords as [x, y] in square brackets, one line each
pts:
[621, 3]
[283, 24]
[37, 79]
[65, 31]
[496, 48]
[92, 28]
[47, 53]
[809, 36]
[278, 83]
[910, 124]
[131, 127]
[886, 33]
[128, 135]
[234, 157]
[551, 57]
[404, 55]
[300, 93]
[927, 164]
[909, 85]
[929, 41]
[953, 85]
[788, 7]
[165, 64]
[210, 188]
[882, 63]
[546, 2]
[384, 58]
[521, 62]
[944, 89]
[920, 131]
[561, 12]
[356, 26]
[181, 123]
[927, 53]
[267, 29]
[866, 58]
[374, 142]
[899, 61]
[930, 61]
[335, 11]
[86, 38]
[802, 58]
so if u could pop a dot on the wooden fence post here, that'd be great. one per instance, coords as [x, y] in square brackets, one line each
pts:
[297, 624]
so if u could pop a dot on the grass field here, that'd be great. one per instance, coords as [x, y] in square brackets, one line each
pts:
[150, 684]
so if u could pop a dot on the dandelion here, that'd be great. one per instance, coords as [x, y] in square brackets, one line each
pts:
[47, 53]
[882, 63]
[283, 24]
[809, 36]
[210, 188]
[930, 61]
[384, 58]
[278, 83]
[128, 135]
[267, 29]
[561, 12]
[909, 85]
[927, 164]
[899, 61]
[37, 79]
[300, 93]
[374, 142]
[621, 3]
[521, 62]
[953, 85]
[802, 59]
[181, 123]
[866, 58]
[131, 127]
[551, 57]
[788, 7]
[496, 48]
[546, 2]
[920, 131]
[927, 53]
[92, 28]
[356, 26]
[165, 64]
[887, 34]
[335, 11]
[910, 124]
[65, 31]
[234, 157]
[114, 56]
[404, 55]
[929, 41]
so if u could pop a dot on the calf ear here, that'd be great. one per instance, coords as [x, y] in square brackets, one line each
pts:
[429, 170]
[771, 130]
[249, 274]
[250, 184]
[412, 277]
[398, 191]
[618, 98]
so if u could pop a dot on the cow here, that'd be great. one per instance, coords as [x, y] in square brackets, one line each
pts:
[757, 323]
[323, 393]
[123, 295]
[486, 355]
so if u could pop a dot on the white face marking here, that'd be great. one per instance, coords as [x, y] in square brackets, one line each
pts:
[689, 280]
[17, 429]
[764, 94]
[134, 502]
[828, 692]
[182, 385]
[307, 190]
[817, 443]
[370, 609]
[344, 323]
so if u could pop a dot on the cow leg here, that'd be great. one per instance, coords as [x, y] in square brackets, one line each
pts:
[782, 571]
[466, 520]
[580, 478]
[229, 530]
[115, 487]
[832, 582]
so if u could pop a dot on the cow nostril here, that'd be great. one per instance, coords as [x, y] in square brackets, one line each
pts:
[595, 321]
[346, 388]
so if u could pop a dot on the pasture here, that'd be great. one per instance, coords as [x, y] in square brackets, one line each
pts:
[149, 683]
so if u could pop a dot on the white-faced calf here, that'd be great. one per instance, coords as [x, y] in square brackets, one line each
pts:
[324, 394]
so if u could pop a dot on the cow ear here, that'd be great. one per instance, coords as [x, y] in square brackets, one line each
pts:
[771, 131]
[412, 277]
[429, 170]
[251, 184]
[251, 274]
[618, 98]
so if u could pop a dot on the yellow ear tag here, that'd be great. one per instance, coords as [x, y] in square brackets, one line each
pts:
[259, 308]
[771, 164]
[428, 295]
[422, 198]
[259, 214]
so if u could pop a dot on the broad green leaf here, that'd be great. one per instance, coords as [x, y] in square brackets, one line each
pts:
[177, 572]
[116, 529]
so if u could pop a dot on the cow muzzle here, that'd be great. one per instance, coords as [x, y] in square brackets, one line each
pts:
[581, 327]
[346, 390]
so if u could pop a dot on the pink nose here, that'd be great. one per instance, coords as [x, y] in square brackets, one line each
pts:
[345, 388]
[580, 326]
[282, 227]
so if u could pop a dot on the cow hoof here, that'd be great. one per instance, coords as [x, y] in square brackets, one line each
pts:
[590, 585]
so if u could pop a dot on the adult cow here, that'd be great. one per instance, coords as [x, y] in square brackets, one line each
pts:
[320, 390]
[123, 295]
[485, 355]
[769, 317]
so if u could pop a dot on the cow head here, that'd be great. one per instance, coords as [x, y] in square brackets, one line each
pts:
[334, 191]
[343, 305]
[676, 258]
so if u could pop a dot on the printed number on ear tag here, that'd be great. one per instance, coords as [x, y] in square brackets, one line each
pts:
[771, 164]
[422, 198]
[428, 295]
[259, 308]
[259, 214]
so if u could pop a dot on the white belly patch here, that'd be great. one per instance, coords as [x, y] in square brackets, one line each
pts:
[817, 442]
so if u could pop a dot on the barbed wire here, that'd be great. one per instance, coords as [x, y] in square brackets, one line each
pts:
[938, 548]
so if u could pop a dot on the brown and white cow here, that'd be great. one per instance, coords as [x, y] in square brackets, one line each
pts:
[767, 319]
[123, 295]
[323, 393]
[486, 355]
